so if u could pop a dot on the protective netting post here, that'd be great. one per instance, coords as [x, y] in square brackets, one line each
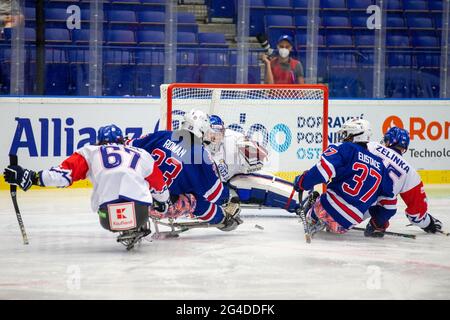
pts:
[170, 66]
[445, 51]
[17, 84]
[96, 48]
[312, 41]
[243, 22]
[379, 62]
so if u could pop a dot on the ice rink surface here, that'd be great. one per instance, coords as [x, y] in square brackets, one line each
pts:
[71, 257]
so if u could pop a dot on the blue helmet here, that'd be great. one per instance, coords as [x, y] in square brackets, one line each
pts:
[287, 38]
[396, 137]
[109, 134]
[216, 123]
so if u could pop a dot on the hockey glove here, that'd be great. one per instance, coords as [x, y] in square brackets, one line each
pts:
[161, 207]
[375, 231]
[17, 175]
[298, 182]
[434, 226]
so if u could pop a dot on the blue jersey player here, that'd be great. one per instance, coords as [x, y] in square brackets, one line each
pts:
[356, 179]
[190, 173]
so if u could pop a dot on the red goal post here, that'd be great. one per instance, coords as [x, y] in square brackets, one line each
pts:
[273, 111]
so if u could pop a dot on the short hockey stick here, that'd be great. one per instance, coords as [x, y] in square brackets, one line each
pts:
[13, 190]
[405, 235]
[301, 212]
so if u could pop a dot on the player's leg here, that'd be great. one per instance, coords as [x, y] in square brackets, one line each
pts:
[318, 218]
[264, 189]
[226, 217]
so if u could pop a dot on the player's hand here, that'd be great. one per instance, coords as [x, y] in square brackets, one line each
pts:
[434, 226]
[19, 176]
[265, 58]
[298, 182]
[375, 231]
[161, 207]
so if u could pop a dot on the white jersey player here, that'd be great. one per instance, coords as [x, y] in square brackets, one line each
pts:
[407, 182]
[240, 161]
[126, 181]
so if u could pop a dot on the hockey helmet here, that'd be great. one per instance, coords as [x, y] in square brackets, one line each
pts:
[196, 121]
[396, 138]
[355, 130]
[109, 134]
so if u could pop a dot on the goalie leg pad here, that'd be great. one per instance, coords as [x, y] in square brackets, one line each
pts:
[264, 189]
[122, 216]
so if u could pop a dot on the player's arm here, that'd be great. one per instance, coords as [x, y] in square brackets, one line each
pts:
[157, 185]
[70, 170]
[140, 142]
[330, 161]
[417, 209]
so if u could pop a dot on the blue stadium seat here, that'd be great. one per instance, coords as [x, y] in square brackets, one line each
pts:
[57, 35]
[399, 60]
[279, 21]
[419, 21]
[425, 40]
[215, 74]
[360, 5]
[395, 21]
[333, 5]
[257, 13]
[336, 21]
[186, 39]
[30, 13]
[365, 39]
[213, 57]
[435, 5]
[300, 4]
[158, 3]
[30, 34]
[416, 5]
[301, 39]
[395, 5]
[397, 40]
[57, 72]
[149, 37]
[438, 20]
[146, 17]
[286, 4]
[301, 20]
[149, 72]
[120, 37]
[118, 73]
[359, 20]
[186, 22]
[221, 9]
[186, 17]
[125, 2]
[5, 70]
[429, 60]
[150, 57]
[55, 14]
[122, 17]
[82, 36]
[339, 39]
[212, 39]
[342, 60]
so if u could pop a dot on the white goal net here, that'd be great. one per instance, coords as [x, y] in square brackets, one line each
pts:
[286, 119]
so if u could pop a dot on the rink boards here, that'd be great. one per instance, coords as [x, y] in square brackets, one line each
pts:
[43, 131]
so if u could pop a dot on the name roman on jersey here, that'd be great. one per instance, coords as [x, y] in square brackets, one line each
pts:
[175, 148]
[394, 157]
[369, 160]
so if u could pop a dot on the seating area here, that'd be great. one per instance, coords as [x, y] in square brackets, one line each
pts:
[134, 37]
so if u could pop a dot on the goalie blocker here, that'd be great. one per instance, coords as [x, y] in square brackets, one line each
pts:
[264, 190]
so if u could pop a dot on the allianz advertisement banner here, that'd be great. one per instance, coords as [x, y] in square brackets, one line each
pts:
[43, 131]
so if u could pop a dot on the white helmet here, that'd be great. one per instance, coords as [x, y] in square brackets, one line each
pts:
[196, 121]
[355, 130]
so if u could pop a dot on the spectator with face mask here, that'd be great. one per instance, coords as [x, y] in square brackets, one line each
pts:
[283, 69]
